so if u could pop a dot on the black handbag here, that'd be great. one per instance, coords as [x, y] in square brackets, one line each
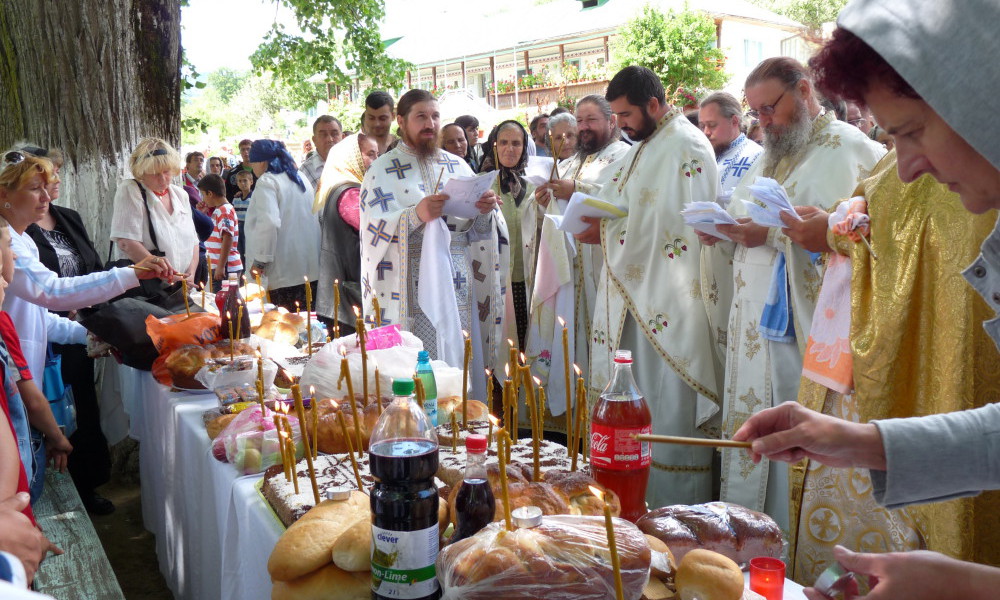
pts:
[121, 321]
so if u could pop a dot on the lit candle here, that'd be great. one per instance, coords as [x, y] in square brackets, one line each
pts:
[767, 577]
[569, 408]
[378, 312]
[184, 288]
[232, 344]
[489, 389]
[314, 422]
[300, 412]
[239, 321]
[281, 444]
[513, 367]
[454, 433]
[345, 372]
[260, 290]
[309, 329]
[292, 464]
[336, 308]
[465, 380]
[508, 411]
[502, 457]
[363, 341]
[350, 447]
[612, 546]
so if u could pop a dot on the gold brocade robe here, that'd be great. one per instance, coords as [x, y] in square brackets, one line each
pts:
[917, 340]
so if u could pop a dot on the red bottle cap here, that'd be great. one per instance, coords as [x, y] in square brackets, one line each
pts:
[475, 442]
[623, 356]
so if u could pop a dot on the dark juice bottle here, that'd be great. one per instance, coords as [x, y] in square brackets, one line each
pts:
[404, 458]
[474, 504]
[617, 461]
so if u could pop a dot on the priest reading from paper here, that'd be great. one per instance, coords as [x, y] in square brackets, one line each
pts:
[809, 157]
[435, 274]
[649, 299]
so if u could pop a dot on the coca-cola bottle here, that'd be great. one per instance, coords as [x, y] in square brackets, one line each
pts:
[617, 461]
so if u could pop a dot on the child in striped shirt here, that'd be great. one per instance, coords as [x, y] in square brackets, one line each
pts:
[221, 247]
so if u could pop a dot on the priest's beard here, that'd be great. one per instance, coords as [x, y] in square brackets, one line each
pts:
[782, 141]
[591, 141]
[425, 148]
[648, 127]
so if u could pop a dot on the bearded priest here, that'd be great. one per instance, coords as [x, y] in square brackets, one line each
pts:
[436, 275]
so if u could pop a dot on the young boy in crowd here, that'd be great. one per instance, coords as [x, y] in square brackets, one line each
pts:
[221, 247]
[241, 202]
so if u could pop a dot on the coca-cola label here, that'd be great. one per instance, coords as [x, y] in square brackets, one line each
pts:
[614, 448]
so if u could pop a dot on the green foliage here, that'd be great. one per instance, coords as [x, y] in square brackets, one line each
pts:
[340, 37]
[811, 13]
[679, 46]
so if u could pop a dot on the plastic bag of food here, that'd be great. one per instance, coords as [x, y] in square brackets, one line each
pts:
[249, 442]
[564, 558]
[242, 371]
[175, 331]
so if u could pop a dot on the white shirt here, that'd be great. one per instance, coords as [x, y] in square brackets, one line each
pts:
[282, 231]
[35, 288]
[175, 234]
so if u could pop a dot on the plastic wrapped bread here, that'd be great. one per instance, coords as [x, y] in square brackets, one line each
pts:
[564, 558]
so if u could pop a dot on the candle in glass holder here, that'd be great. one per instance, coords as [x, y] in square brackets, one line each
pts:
[767, 577]
[612, 546]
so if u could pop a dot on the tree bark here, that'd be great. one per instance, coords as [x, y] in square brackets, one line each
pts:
[91, 77]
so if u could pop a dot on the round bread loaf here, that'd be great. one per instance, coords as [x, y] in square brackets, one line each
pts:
[707, 575]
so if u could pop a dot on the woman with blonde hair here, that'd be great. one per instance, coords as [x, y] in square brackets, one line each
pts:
[24, 198]
[153, 216]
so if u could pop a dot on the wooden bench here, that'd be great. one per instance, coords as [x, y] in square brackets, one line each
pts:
[83, 572]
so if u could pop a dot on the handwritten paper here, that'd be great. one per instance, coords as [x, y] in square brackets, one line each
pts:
[464, 191]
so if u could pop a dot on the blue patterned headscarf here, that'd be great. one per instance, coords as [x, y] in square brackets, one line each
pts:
[277, 158]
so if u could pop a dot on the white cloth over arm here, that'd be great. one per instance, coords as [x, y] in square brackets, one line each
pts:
[939, 457]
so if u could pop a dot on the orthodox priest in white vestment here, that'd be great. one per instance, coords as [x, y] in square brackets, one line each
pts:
[438, 278]
[649, 296]
[763, 366]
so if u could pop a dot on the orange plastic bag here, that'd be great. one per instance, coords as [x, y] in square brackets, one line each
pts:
[172, 332]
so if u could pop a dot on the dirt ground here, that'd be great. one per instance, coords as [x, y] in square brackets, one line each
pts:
[130, 548]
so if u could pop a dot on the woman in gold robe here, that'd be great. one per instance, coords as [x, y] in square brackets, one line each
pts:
[918, 348]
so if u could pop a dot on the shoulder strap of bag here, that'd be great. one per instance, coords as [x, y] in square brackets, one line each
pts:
[149, 218]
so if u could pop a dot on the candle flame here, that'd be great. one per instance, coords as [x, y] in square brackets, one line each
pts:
[465, 333]
[343, 352]
[304, 278]
[357, 311]
[228, 316]
[562, 323]
[510, 342]
[489, 372]
[596, 492]
[494, 420]
[523, 360]
[287, 376]
[537, 381]
[579, 373]
[506, 370]
[312, 390]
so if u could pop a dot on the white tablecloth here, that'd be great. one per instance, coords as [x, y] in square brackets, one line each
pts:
[214, 533]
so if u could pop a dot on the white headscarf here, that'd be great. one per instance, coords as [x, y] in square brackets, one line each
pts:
[947, 51]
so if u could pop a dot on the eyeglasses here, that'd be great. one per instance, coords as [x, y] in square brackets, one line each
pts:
[157, 152]
[857, 122]
[767, 110]
[10, 159]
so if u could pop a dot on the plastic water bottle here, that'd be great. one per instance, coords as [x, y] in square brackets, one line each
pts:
[426, 375]
[405, 540]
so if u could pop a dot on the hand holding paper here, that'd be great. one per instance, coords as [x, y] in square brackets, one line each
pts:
[582, 205]
[775, 200]
[464, 192]
[706, 216]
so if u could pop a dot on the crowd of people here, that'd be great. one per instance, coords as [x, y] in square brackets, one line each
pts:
[834, 343]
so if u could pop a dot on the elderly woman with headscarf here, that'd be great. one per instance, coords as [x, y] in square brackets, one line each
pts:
[282, 233]
[508, 143]
[150, 199]
[338, 205]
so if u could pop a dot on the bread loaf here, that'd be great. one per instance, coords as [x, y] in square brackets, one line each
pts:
[564, 558]
[729, 529]
[307, 545]
[352, 550]
[707, 575]
[325, 583]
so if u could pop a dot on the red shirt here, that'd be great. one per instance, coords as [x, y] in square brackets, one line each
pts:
[9, 334]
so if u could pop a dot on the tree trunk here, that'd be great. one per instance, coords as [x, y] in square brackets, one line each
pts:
[91, 77]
